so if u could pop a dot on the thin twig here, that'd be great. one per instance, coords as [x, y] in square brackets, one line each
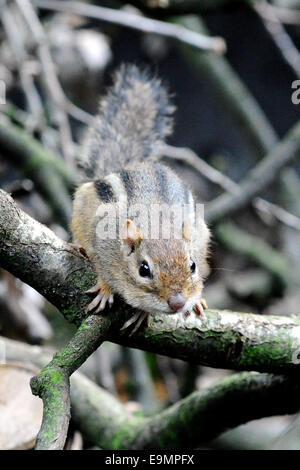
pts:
[194, 161]
[278, 212]
[47, 171]
[189, 157]
[77, 113]
[129, 20]
[106, 422]
[17, 45]
[257, 250]
[279, 35]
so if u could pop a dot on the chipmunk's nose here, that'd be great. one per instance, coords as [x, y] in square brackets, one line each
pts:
[176, 302]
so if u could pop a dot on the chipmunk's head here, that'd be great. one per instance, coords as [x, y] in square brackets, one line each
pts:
[164, 276]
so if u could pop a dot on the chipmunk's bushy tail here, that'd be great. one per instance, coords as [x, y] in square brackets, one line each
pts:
[135, 116]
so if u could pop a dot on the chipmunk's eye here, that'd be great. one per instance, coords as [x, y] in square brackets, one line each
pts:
[192, 266]
[144, 270]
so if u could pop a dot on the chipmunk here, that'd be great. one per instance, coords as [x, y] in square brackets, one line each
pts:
[152, 274]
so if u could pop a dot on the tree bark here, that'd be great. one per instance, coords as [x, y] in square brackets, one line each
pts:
[107, 423]
[223, 339]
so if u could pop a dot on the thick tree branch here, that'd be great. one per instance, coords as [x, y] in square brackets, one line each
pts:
[107, 423]
[219, 339]
[182, 7]
[259, 178]
[190, 158]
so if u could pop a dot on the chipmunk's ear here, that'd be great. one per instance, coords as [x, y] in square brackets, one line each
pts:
[186, 230]
[131, 236]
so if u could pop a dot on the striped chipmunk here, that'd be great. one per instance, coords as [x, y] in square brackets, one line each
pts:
[134, 218]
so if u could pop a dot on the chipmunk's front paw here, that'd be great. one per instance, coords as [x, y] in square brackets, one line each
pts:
[200, 306]
[104, 295]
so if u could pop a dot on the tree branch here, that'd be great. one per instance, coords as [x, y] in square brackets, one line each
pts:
[107, 423]
[52, 384]
[219, 339]
[259, 178]
[137, 22]
[235, 400]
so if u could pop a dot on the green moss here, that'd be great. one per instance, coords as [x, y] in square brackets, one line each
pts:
[83, 327]
[55, 377]
[126, 435]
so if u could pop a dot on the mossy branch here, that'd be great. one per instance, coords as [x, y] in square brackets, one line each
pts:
[106, 422]
[224, 339]
[239, 341]
[49, 173]
[259, 178]
[52, 384]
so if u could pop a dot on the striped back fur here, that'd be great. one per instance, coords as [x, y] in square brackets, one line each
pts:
[135, 116]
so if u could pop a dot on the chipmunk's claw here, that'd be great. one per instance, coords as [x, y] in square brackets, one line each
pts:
[104, 295]
[79, 249]
[200, 306]
[138, 317]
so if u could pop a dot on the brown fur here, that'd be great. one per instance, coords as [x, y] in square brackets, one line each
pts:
[134, 118]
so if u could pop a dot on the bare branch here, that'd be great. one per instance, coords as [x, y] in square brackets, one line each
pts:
[216, 73]
[278, 212]
[17, 45]
[259, 178]
[279, 35]
[184, 7]
[190, 158]
[53, 87]
[129, 20]
[256, 249]
[105, 422]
